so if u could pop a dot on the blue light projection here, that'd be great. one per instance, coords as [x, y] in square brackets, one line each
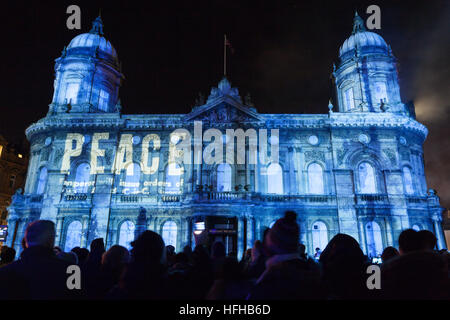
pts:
[97, 172]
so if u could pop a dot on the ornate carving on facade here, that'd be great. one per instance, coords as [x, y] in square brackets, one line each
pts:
[314, 155]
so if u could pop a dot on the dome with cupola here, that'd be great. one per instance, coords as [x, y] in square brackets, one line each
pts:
[92, 43]
[363, 40]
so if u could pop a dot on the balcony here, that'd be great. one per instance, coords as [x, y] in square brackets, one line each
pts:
[303, 199]
[372, 199]
[417, 201]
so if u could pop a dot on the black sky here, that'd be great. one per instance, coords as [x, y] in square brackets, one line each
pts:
[284, 50]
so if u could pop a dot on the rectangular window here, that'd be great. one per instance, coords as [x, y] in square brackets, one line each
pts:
[349, 100]
[72, 92]
[103, 100]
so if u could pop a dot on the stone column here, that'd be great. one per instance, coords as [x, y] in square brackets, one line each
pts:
[292, 182]
[439, 234]
[240, 238]
[250, 232]
[362, 236]
[345, 199]
[389, 238]
[59, 230]
[85, 230]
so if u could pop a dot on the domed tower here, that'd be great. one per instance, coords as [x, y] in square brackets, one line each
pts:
[88, 75]
[366, 78]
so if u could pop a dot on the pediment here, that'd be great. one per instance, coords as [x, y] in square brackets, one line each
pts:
[223, 111]
[224, 105]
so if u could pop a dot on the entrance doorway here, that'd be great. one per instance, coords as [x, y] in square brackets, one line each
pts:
[217, 229]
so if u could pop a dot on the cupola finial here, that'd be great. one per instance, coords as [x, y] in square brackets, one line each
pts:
[97, 25]
[358, 24]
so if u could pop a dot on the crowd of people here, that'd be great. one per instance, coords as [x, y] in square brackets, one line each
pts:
[275, 268]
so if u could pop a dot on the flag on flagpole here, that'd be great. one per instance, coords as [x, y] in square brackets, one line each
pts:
[228, 44]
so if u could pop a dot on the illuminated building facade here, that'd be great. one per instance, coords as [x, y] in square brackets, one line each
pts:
[99, 173]
[13, 169]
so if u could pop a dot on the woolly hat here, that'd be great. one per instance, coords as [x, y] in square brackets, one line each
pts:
[285, 233]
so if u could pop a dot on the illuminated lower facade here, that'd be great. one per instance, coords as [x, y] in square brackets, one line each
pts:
[99, 173]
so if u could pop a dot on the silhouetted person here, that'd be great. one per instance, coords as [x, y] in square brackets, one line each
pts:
[170, 255]
[344, 268]
[231, 285]
[38, 274]
[82, 254]
[257, 263]
[113, 263]
[179, 274]
[70, 257]
[427, 240]
[145, 277]
[418, 273]
[286, 275]
[217, 257]
[389, 253]
[408, 241]
[7, 256]
[91, 268]
[187, 250]
[202, 275]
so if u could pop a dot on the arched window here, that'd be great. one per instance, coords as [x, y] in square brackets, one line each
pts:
[126, 234]
[366, 175]
[132, 178]
[319, 235]
[73, 235]
[373, 239]
[173, 178]
[274, 179]
[40, 188]
[224, 177]
[315, 179]
[82, 177]
[407, 180]
[169, 233]
[416, 227]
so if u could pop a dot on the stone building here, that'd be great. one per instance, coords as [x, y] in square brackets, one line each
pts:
[98, 172]
[13, 168]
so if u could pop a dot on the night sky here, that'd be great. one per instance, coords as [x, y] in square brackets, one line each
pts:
[284, 51]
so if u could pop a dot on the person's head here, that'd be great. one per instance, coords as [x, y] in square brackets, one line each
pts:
[218, 250]
[148, 248]
[341, 246]
[170, 250]
[115, 258]
[7, 254]
[40, 233]
[427, 240]
[317, 249]
[408, 241]
[98, 246]
[283, 237]
[230, 269]
[389, 253]
[82, 254]
[187, 250]
[257, 250]
[69, 257]
[301, 249]
[181, 258]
